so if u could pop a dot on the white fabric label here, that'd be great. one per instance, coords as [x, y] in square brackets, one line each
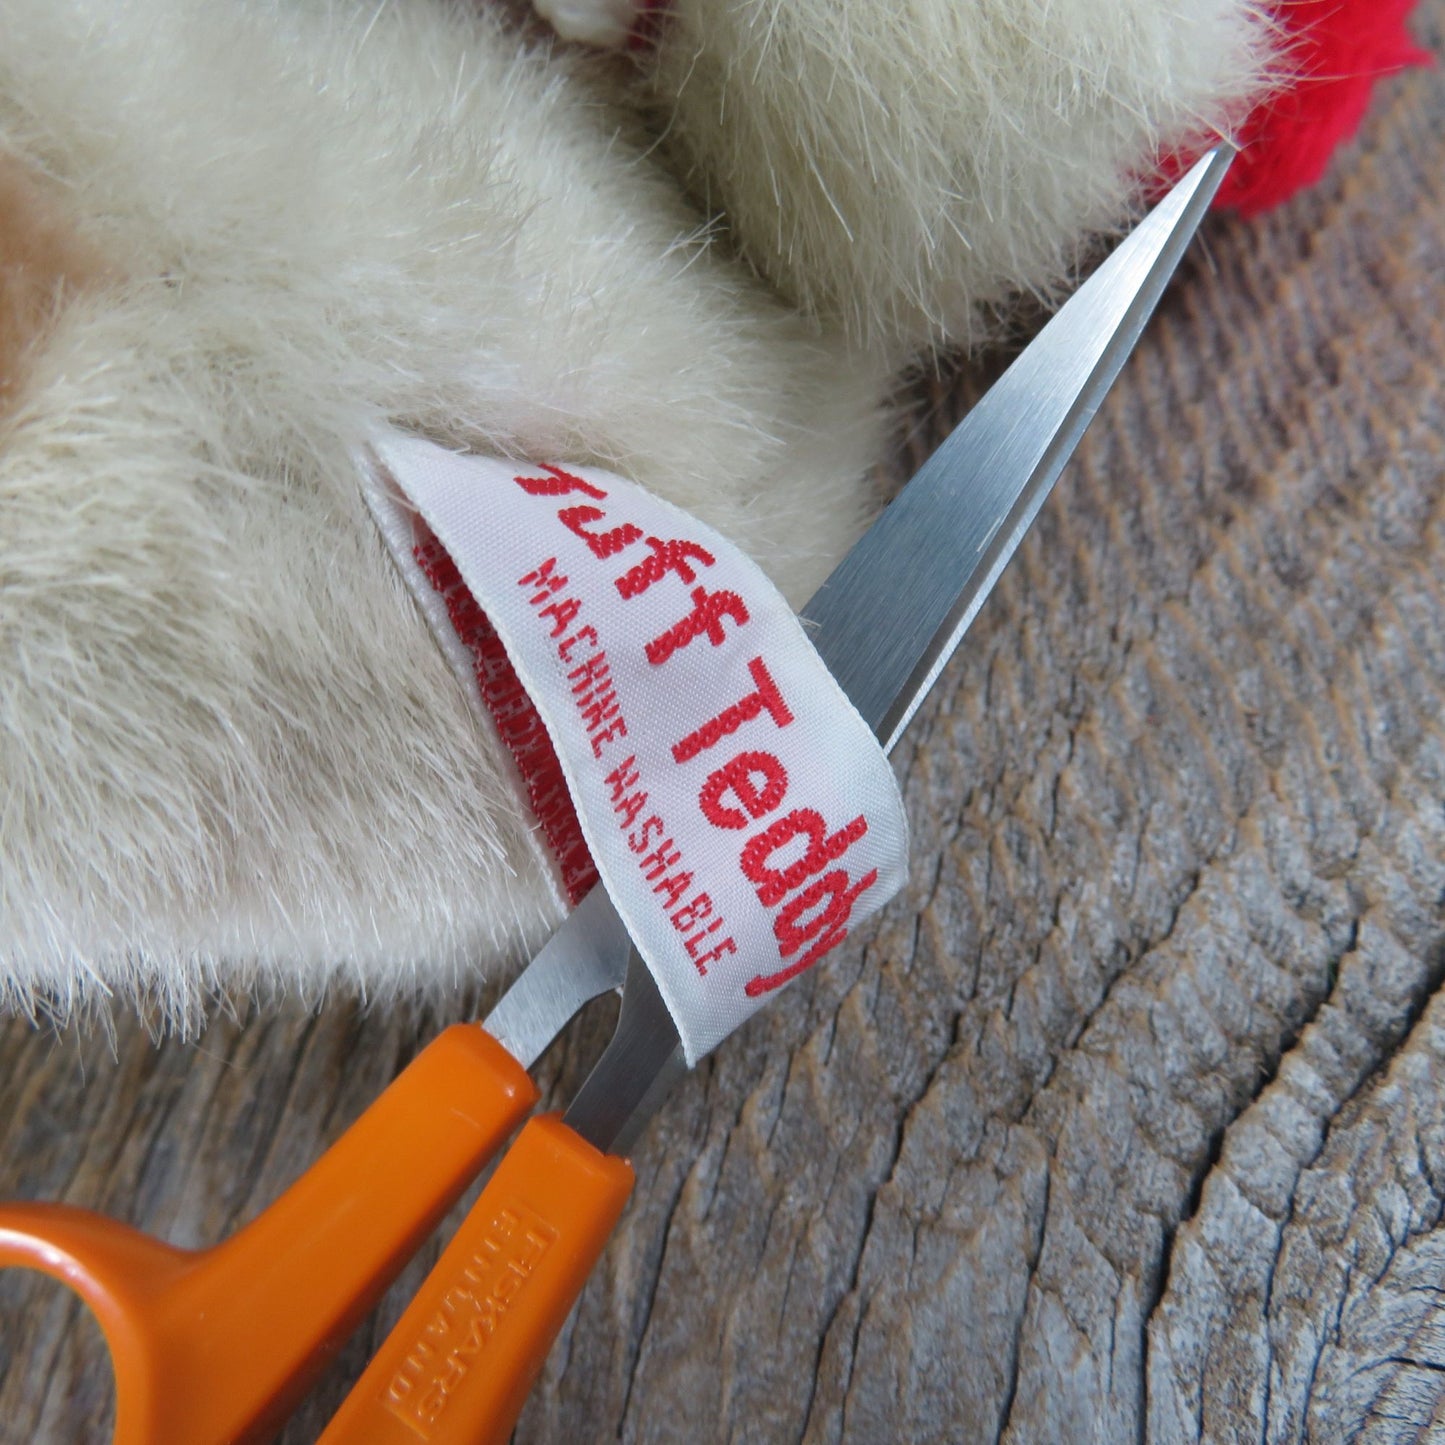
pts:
[741, 814]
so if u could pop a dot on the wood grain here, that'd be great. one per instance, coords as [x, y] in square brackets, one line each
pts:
[1127, 1121]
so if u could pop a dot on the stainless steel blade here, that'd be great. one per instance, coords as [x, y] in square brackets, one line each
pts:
[893, 611]
[585, 958]
[639, 1066]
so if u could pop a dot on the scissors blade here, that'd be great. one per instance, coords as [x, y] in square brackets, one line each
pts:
[894, 609]
[584, 959]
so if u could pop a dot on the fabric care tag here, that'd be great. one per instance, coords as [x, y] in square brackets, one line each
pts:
[740, 812]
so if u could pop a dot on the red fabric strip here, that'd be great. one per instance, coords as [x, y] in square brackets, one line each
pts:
[517, 720]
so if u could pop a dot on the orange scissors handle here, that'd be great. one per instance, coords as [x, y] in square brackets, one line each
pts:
[220, 1344]
[459, 1364]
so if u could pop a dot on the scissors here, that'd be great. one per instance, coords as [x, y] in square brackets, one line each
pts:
[220, 1344]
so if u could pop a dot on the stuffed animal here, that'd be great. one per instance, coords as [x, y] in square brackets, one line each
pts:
[236, 235]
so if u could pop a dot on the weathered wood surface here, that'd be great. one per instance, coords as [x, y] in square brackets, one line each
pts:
[1128, 1120]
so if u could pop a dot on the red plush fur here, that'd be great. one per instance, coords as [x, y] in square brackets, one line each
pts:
[1337, 50]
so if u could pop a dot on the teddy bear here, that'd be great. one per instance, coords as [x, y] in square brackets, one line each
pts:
[696, 244]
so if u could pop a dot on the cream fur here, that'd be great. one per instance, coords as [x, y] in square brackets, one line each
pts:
[905, 168]
[604, 23]
[230, 752]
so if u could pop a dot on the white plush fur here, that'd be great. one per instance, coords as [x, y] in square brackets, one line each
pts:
[603, 23]
[230, 751]
[907, 167]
